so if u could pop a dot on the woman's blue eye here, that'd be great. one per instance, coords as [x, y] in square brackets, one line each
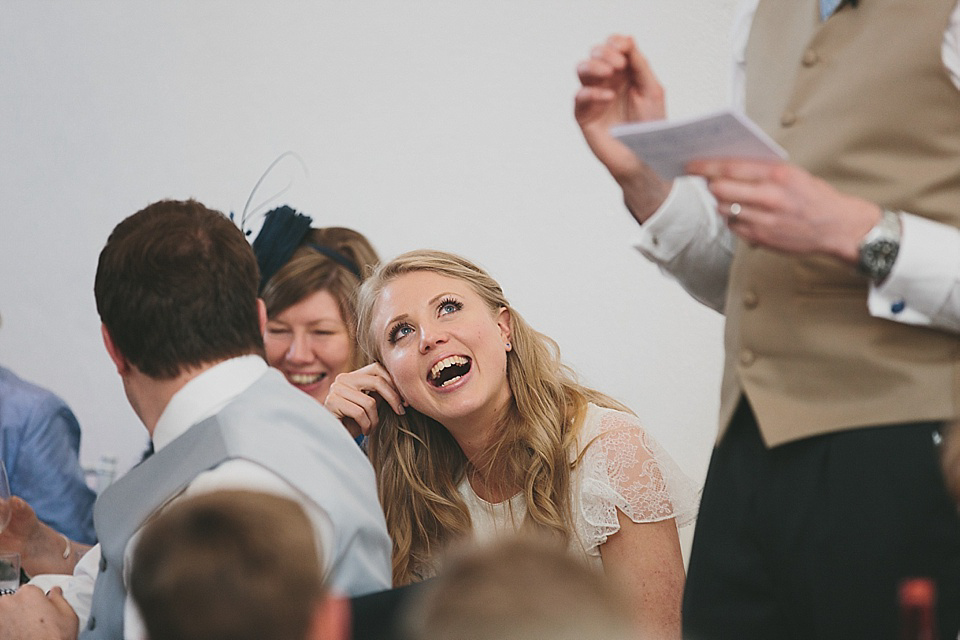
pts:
[398, 332]
[450, 306]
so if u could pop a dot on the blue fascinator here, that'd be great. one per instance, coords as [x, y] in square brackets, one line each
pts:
[283, 231]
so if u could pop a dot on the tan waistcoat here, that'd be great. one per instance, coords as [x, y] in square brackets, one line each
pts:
[863, 101]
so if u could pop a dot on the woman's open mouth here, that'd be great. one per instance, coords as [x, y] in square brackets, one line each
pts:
[448, 371]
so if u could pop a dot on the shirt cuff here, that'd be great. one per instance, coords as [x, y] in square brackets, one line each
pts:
[671, 227]
[925, 276]
[77, 587]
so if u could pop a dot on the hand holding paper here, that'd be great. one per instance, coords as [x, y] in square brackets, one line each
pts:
[764, 201]
[668, 146]
[781, 206]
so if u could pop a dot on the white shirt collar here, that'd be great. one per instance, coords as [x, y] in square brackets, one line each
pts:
[205, 395]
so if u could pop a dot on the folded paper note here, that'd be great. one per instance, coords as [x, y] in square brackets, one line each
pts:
[668, 145]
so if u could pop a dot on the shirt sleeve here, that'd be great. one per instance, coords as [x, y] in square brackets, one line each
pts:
[78, 587]
[624, 468]
[47, 472]
[689, 242]
[924, 286]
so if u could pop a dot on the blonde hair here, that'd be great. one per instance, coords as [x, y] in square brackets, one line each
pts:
[309, 271]
[418, 463]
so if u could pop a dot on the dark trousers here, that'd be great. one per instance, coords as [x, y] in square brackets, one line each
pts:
[809, 540]
[380, 615]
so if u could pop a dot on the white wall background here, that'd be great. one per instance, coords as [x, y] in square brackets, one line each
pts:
[423, 123]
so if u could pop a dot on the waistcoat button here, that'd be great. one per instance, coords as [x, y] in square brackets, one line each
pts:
[810, 58]
[750, 300]
[92, 624]
[103, 564]
[788, 118]
[747, 357]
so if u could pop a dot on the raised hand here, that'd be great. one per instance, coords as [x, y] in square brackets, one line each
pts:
[23, 529]
[41, 548]
[617, 86]
[353, 398]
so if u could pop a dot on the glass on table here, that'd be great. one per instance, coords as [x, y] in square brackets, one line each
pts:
[9, 572]
[5, 508]
[9, 562]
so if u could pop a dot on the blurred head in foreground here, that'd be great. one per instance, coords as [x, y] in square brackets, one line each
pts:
[234, 565]
[515, 589]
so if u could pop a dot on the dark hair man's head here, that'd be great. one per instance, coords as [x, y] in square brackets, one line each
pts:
[233, 565]
[176, 289]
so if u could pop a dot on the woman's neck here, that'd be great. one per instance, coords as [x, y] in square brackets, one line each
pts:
[477, 433]
[476, 443]
[491, 487]
[477, 438]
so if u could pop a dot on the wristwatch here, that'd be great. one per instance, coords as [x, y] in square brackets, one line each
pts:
[879, 248]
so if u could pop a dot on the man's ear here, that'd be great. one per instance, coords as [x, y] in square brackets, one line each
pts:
[119, 360]
[330, 619]
[262, 315]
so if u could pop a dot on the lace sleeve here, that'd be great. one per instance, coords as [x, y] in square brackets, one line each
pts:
[623, 467]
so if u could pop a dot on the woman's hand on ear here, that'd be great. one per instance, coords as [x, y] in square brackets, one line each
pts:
[353, 398]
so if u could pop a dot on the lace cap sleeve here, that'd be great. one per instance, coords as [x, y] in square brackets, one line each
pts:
[623, 467]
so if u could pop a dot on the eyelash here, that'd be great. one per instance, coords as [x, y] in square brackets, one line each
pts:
[456, 304]
[392, 335]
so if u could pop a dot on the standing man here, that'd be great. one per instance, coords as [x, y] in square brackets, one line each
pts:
[839, 275]
[176, 289]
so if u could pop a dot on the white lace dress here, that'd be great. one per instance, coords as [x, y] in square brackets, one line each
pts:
[623, 468]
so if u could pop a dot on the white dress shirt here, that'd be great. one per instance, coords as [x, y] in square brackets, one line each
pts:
[690, 243]
[199, 399]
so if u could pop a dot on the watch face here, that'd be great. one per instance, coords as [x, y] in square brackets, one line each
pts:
[879, 248]
[878, 257]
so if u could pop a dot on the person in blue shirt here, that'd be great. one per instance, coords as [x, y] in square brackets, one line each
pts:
[39, 446]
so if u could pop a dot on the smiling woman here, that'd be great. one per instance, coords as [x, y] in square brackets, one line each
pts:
[481, 430]
[308, 281]
[310, 343]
